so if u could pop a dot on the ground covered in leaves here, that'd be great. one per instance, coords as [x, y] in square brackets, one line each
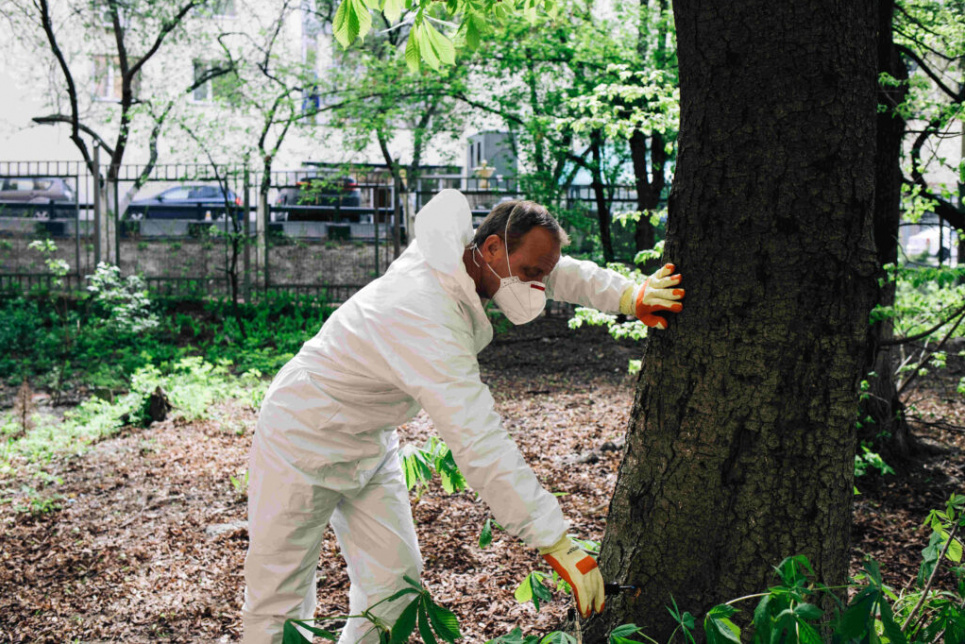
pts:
[149, 539]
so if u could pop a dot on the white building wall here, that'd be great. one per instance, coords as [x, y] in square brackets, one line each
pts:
[27, 70]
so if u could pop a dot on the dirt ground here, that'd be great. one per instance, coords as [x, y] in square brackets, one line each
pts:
[150, 541]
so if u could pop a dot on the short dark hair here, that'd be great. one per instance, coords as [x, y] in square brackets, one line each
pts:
[523, 216]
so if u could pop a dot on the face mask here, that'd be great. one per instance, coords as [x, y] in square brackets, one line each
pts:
[520, 301]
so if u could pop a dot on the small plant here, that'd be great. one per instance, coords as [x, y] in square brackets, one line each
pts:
[789, 611]
[23, 407]
[240, 484]
[37, 504]
[58, 267]
[418, 464]
[869, 460]
[434, 622]
[125, 302]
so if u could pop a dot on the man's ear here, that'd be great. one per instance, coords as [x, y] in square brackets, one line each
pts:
[490, 247]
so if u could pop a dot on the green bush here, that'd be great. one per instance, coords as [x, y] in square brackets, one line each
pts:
[101, 337]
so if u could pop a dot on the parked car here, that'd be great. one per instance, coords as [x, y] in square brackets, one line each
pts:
[322, 191]
[29, 196]
[925, 244]
[197, 202]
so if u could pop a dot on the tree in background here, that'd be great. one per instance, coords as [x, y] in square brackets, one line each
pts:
[532, 75]
[920, 106]
[388, 97]
[130, 35]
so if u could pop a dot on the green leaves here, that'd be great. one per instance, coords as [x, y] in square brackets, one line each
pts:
[621, 634]
[291, 634]
[435, 622]
[515, 636]
[719, 627]
[419, 464]
[392, 10]
[427, 44]
[486, 535]
[416, 465]
[452, 479]
[405, 624]
[685, 621]
[352, 20]
[533, 589]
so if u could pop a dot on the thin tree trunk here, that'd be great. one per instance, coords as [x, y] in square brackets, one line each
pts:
[599, 195]
[648, 169]
[882, 412]
[741, 441]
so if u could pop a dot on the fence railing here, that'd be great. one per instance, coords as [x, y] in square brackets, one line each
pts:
[199, 229]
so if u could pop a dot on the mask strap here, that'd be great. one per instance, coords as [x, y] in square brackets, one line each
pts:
[506, 240]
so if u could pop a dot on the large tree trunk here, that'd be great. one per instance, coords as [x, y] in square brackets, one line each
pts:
[740, 448]
[882, 412]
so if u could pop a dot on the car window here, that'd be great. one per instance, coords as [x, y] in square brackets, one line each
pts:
[176, 194]
[43, 184]
[25, 185]
[205, 192]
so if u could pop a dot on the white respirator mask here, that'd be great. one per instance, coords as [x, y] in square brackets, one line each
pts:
[520, 302]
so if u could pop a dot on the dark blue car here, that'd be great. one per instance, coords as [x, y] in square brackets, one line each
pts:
[196, 202]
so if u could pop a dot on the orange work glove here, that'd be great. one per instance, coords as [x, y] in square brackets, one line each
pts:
[654, 295]
[580, 571]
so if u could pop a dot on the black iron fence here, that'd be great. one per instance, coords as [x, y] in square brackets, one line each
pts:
[218, 230]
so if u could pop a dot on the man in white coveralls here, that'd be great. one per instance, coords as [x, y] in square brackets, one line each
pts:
[326, 450]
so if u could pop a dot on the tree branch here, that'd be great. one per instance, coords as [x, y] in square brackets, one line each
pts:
[927, 357]
[923, 334]
[63, 118]
[958, 97]
[166, 27]
[74, 119]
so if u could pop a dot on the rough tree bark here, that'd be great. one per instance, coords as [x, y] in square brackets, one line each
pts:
[741, 442]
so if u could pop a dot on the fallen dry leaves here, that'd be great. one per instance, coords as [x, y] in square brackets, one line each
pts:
[150, 541]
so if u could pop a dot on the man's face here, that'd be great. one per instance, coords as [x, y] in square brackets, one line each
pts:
[532, 260]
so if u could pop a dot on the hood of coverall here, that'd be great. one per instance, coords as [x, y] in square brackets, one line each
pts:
[443, 230]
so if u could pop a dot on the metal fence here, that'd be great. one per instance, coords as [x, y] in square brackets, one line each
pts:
[194, 229]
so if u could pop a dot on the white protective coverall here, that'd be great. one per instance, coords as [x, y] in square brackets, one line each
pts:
[326, 450]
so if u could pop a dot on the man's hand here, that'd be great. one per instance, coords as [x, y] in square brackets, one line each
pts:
[580, 571]
[655, 295]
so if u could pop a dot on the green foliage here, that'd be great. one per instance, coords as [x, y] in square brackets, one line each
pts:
[532, 589]
[240, 483]
[353, 20]
[434, 622]
[626, 102]
[418, 464]
[868, 459]
[486, 534]
[633, 329]
[123, 305]
[789, 612]
[192, 386]
[36, 504]
[108, 342]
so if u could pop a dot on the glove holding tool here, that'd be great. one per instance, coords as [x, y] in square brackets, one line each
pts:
[580, 571]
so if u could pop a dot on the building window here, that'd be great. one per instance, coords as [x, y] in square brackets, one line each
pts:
[108, 83]
[203, 92]
[103, 10]
[223, 8]
[217, 83]
[108, 80]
